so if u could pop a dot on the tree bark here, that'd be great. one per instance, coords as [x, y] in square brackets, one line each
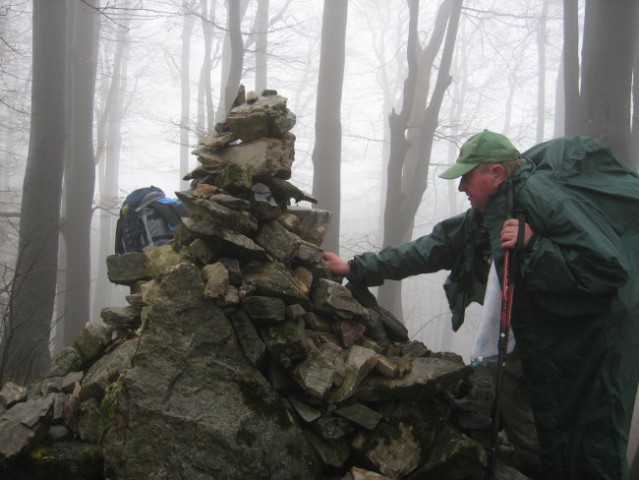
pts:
[232, 57]
[327, 152]
[541, 71]
[25, 348]
[79, 170]
[412, 132]
[206, 112]
[261, 44]
[572, 103]
[185, 97]
[109, 149]
[610, 37]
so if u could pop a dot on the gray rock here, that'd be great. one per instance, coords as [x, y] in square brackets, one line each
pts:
[177, 397]
[332, 428]
[454, 457]
[313, 223]
[392, 448]
[89, 421]
[336, 300]
[22, 426]
[159, 260]
[250, 341]
[264, 116]
[286, 342]
[64, 384]
[277, 241]
[219, 214]
[274, 279]
[316, 374]
[68, 359]
[305, 411]
[357, 364]
[11, 394]
[361, 415]
[127, 268]
[216, 278]
[92, 340]
[121, 318]
[427, 375]
[182, 287]
[264, 157]
[265, 309]
[224, 241]
[107, 370]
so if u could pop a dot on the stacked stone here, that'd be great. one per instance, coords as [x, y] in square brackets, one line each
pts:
[239, 356]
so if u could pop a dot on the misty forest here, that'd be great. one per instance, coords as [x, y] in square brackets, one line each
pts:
[101, 97]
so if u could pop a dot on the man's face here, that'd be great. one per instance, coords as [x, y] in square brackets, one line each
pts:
[480, 184]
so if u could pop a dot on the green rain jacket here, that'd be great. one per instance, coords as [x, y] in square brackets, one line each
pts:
[459, 244]
[576, 307]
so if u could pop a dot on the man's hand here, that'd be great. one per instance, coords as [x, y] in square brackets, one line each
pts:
[510, 231]
[336, 265]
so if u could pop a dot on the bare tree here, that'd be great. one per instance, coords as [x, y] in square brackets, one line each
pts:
[413, 130]
[111, 113]
[542, 36]
[261, 43]
[185, 92]
[206, 113]
[598, 92]
[79, 174]
[233, 56]
[27, 355]
[327, 153]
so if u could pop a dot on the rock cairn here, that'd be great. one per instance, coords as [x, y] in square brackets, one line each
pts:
[239, 356]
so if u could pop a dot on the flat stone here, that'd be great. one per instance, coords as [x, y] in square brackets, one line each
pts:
[265, 309]
[313, 223]
[361, 415]
[316, 374]
[120, 318]
[11, 394]
[68, 359]
[305, 411]
[358, 363]
[249, 340]
[394, 450]
[127, 268]
[216, 278]
[427, 375]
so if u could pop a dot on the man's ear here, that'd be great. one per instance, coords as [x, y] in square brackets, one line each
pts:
[499, 173]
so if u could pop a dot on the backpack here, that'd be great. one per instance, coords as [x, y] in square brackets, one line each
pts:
[586, 168]
[147, 217]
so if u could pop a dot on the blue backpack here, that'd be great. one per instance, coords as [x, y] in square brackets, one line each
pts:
[147, 217]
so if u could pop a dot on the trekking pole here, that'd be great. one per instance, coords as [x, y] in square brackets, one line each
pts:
[507, 293]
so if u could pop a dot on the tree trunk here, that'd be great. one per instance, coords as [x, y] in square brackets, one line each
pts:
[185, 91]
[25, 351]
[232, 57]
[541, 72]
[79, 170]
[109, 148]
[327, 153]
[610, 37]
[634, 139]
[261, 43]
[572, 105]
[412, 133]
[206, 112]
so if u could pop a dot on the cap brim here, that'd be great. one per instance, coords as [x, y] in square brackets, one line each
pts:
[457, 170]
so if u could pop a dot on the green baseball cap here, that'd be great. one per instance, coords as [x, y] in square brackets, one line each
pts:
[483, 147]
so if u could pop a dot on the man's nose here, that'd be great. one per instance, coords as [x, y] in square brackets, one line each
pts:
[462, 185]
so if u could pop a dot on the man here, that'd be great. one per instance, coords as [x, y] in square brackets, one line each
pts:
[576, 307]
